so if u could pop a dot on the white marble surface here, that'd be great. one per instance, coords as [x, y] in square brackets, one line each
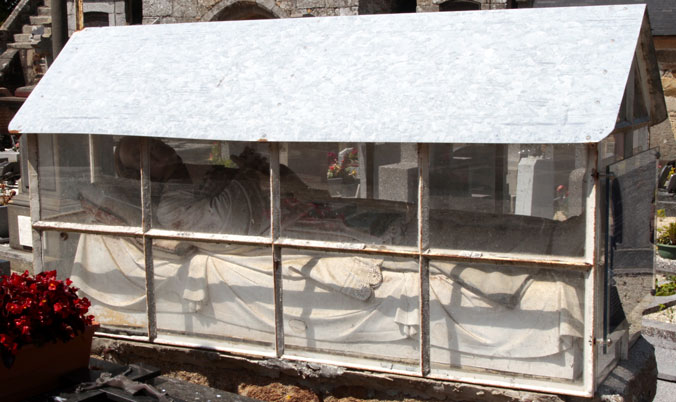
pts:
[553, 75]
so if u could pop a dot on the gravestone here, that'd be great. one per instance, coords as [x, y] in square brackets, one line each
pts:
[576, 192]
[534, 187]
[671, 184]
[399, 181]
[664, 176]
[4, 267]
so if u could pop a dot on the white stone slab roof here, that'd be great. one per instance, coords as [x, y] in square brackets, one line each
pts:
[551, 75]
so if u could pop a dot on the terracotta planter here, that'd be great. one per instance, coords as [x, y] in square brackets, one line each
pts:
[37, 369]
[666, 251]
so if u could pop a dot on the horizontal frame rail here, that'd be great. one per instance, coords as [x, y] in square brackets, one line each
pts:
[555, 262]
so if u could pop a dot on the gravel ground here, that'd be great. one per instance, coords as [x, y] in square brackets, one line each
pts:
[665, 391]
[666, 315]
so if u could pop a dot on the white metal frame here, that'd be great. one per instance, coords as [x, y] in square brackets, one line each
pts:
[422, 252]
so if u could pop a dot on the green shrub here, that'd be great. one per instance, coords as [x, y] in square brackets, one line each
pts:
[666, 289]
[667, 235]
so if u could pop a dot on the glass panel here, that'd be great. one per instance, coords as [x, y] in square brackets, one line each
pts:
[213, 187]
[108, 270]
[641, 140]
[80, 186]
[639, 107]
[517, 320]
[609, 149]
[348, 192]
[631, 212]
[215, 292]
[629, 191]
[355, 309]
[508, 198]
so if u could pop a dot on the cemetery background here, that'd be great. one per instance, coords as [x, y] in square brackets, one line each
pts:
[31, 50]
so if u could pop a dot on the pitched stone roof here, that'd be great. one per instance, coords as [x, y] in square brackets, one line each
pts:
[662, 13]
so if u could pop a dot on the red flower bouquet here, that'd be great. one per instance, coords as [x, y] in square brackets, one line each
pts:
[344, 165]
[37, 310]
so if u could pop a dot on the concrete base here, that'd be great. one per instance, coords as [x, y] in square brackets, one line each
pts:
[632, 380]
[666, 202]
[663, 337]
[19, 261]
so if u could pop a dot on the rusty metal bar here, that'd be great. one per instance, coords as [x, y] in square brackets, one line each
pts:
[208, 237]
[146, 224]
[275, 231]
[34, 200]
[89, 228]
[576, 263]
[424, 267]
[79, 15]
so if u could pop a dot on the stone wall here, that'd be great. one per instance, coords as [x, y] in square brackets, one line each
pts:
[433, 5]
[115, 9]
[662, 135]
[173, 11]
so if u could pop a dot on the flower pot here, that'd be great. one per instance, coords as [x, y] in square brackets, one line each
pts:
[38, 369]
[339, 187]
[667, 251]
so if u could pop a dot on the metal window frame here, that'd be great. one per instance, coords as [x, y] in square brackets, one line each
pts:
[587, 264]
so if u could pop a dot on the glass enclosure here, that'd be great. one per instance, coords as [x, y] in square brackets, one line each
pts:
[627, 249]
[509, 319]
[108, 270]
[211, 294]
[352, 308]
[524, 199]
[442, 260]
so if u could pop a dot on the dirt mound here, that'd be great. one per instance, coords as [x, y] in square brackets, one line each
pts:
[277, 392]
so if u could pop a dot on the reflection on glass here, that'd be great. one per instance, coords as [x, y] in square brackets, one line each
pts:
[351, 308]
[80, 186]
[523, 321]
[508, 198]
[109, 271]
[202, 186]
[349, 192]
[627, 228]
[215, 291]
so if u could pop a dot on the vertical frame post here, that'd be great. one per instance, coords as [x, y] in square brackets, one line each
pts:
[146, 224]
[79, 15]
[629, 112]
[275, 229]
[92, 159]
[423, 262]
[34, 200]
[591, 253]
